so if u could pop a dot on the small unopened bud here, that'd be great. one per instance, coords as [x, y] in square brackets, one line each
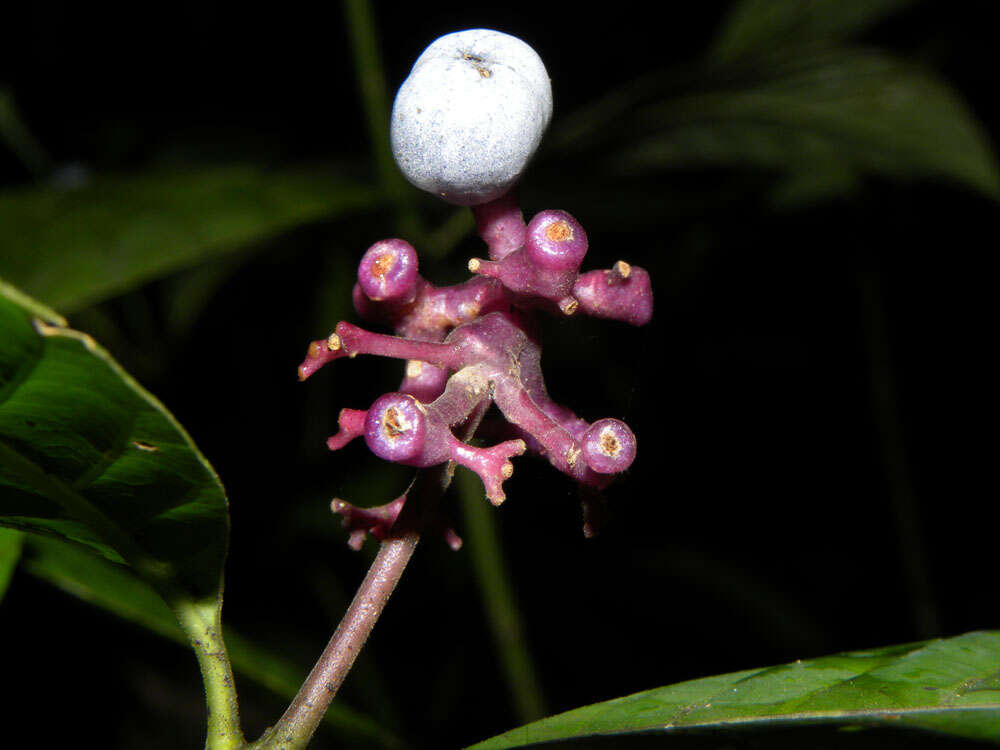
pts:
[395, 427]
[388, 271]
[556, 241]
[608, 446]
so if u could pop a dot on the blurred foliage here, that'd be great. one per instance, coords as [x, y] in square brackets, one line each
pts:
[759, 157]
[18, 137]
[819, 119]
[72, 247]
[758, 26]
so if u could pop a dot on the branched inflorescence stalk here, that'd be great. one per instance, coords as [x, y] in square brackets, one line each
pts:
[472, 344]
[464, 126]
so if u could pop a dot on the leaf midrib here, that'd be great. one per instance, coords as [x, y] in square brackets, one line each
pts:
[874, 713]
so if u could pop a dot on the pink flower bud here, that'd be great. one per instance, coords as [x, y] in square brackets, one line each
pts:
[608, 446]
[555, 241]
[396, 427]
[388, 271]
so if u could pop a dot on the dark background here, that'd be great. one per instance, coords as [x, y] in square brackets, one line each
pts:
[815, 468]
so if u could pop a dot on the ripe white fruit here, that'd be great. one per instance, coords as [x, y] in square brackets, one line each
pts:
[470, 115]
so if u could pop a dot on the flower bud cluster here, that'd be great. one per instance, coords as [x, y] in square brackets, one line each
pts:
[471, 345]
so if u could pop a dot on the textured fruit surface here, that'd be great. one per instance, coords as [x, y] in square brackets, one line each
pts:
[470, 115]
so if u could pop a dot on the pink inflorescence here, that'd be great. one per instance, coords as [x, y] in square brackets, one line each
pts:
[469, 345]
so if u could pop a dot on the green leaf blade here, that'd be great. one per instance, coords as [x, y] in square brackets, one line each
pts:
[74, 247]
[87, 455]
[842, 113]
[949, 685]
[761, 25]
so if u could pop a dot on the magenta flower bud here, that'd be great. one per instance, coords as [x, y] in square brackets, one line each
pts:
[608, 446]
[395, 428]
[476, 343]
[555, 241]
[388, 271]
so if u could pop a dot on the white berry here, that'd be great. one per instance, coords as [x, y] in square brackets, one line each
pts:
[470, 115]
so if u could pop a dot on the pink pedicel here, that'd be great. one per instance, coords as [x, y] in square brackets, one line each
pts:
[317, 355]
[623, 293]
[378, 522]
[434, 311]
[388, 271]
[352, 425]
[546, 267]
[500, 224]
[424, 381]
[491, 464]
[474, 344]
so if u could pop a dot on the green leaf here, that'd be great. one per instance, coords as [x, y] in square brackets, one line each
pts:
[762, 25]
[821, 119]
[949, 685]
[74, 247]
[10, 554]
[86, 454]
[117, 589]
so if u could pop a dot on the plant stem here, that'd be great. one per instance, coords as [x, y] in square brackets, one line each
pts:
[296, 727]
[305, 712]
[20, 139]
[202, 623]
[370, 74]
[299, 722]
